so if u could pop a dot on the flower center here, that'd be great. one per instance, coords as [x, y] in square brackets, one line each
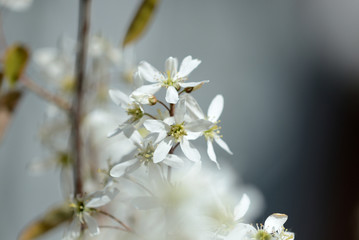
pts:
[171, 82]
[177, 131]
[135, 112]
[146, 155]
[212, 132]
[262, 235]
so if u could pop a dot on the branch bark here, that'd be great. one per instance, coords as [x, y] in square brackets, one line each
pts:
[76, 110]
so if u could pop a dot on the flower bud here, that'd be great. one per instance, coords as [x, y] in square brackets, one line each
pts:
[152, 100]
[188, 89]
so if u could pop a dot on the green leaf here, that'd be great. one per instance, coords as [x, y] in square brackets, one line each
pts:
[140, 21]
[50, 220]
[16, 58]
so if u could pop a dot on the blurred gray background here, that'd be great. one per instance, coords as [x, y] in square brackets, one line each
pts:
[288, 73]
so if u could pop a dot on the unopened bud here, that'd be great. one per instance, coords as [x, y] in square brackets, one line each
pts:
[152, 100]
[198, 86]
[188, 89]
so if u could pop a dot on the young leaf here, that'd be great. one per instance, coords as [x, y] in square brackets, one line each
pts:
[8, 103]
[140, 21]
[16, 58]
[50, 220]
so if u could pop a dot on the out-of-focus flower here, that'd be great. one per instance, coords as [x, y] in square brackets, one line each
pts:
[172, 80]
[16, 5]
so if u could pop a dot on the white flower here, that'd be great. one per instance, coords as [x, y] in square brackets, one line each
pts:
[144, 156]
[83, 208]
[133, 109]
[226, 220]
[16, 5]
[271, 230]
[214, 112]
[102, 49]
[175, 130]
[172, 80]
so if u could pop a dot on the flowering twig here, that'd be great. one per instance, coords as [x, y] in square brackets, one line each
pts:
[43, 93]
[128, 229]
[76, 111]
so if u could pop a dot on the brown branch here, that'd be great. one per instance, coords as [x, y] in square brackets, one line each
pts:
[44, 94]
[160, 102]
[76, 111]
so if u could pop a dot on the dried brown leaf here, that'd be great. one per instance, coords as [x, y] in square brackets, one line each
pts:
[50, 220]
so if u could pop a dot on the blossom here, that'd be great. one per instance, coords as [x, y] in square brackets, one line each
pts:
[271, 230]
[83, 208]
[133, 108]
[214, 112]
[144, 156]
[174, 130]
[173, 80]
[226, 218]
[16, 5]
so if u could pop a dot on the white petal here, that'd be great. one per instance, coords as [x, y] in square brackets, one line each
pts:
[146, 90]
[162, 150]
[119, 98]
[137, 138]
[215, 108]
[242, 207]
[173, 161]
[133, 167]
[169, 121]
[192, 84]
[171, 66]
[190, 151]
[211, 153]
[155, 125]
[199, 125]
[149, 73]
[172, 95]
[74, 230]
[180, 111]
[241, 231]
[120, 169]
[193, 135]
[187, 66]
[222, 144]
[91, 225]
[275, 222]
[99, 198]
[137, 79]
[114, 132]
[192, 107]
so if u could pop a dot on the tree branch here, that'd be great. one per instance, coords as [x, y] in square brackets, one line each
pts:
[76, 110]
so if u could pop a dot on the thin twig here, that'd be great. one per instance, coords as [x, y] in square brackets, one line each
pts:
[113, 227]
[43, 93]
[160, 102]
[151, 116]
[128, 229]
[139, 184]
[82, 41]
